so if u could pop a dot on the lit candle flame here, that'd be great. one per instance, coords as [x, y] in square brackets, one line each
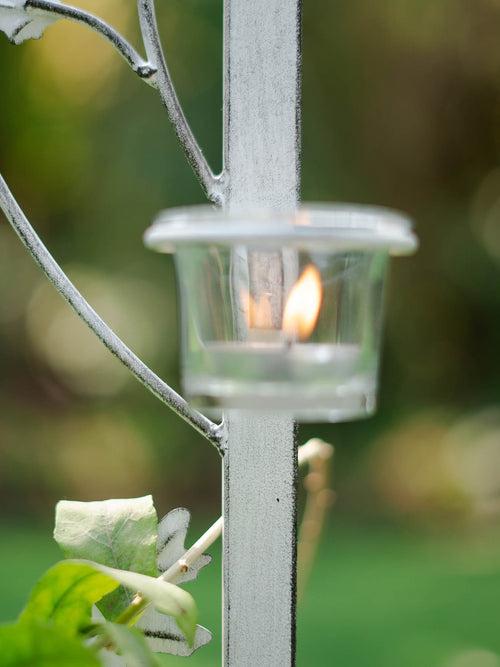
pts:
[303, 304]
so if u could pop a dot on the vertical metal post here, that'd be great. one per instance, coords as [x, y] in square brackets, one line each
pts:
[261, 154]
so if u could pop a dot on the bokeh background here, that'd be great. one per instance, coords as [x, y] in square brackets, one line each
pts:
[401, 107]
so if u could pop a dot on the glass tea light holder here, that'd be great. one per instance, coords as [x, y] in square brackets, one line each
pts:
[282, 312]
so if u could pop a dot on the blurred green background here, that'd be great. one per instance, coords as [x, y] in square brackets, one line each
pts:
[401, 107]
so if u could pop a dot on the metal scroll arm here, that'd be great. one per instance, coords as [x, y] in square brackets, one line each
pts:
[214, 185]
[25, 19]
[50, 10]
[213, 432]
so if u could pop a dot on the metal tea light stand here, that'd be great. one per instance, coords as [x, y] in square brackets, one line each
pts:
[281, 304]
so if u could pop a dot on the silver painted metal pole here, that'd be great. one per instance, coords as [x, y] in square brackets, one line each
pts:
[261, 153]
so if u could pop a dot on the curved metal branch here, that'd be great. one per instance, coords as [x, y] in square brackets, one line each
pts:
[213, 432]
[213, 185]
[144, 69]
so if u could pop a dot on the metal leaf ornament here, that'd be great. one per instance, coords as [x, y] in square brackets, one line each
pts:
[172, 531]
[20, 23]
[161, 632]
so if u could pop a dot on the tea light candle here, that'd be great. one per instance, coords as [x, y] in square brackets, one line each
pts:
[289, 358]
[254, 363]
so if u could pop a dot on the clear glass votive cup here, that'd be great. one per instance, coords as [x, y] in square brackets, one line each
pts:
[282, 312]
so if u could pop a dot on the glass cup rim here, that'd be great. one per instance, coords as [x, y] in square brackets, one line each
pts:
[335, 227]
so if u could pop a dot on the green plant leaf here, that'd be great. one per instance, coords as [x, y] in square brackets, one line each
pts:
[65, 594]
[130, 644]
[29, 645]
[166, 597]
[118, 533]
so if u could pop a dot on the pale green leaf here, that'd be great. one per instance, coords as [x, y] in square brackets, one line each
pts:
[166, 597]
[118, 533]
[65, 595]
[27, 645]
[130, 644]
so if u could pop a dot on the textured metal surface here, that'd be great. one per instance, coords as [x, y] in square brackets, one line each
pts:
[259, 541]
[262, 56]
[261, 145]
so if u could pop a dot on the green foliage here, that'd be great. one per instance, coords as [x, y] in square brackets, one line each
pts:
[65, 594]
[121, 534]
[130, 644]
[44, 646]
[57, 625]
[167, 598]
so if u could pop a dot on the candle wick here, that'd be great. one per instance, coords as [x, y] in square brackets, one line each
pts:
[289, 339]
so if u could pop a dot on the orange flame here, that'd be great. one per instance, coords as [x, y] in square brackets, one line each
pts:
[303, 304]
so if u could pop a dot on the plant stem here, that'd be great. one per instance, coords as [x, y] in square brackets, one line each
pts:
[191, 556]
[319, 498]
[131, 614]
